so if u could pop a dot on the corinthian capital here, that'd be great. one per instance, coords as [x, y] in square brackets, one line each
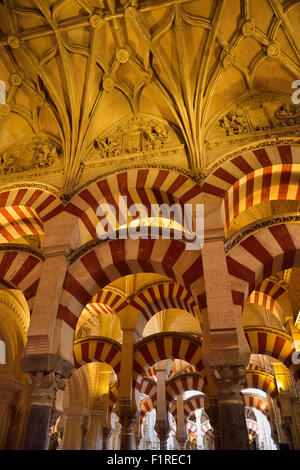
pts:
[228, 379]
[44, 387]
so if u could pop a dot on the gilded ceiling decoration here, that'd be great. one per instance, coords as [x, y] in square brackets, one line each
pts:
[90, 84]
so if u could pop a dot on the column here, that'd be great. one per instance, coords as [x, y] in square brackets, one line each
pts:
[95, 434]
[138, 433]
[128, 412]
[181, 436]
[116, 437]
[198, 415]
[225, 350]
[107, 433]
[233, 428]
[75, 423]
[49, 346]
[44, 387]
[9, 390]
[162, 426]
[212, 410]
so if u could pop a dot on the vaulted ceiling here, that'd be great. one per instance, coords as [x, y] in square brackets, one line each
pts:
[98, 84]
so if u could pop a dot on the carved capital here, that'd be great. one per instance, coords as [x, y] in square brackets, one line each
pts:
[127, 418]
[228, 380]
[44, 387]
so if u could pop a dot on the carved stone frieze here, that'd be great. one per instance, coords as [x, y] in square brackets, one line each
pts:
[234, 123]
[257, 115]
[38, 153]
[288, 115]
[135, 136]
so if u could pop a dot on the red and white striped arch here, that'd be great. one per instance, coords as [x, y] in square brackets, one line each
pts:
[272, 296]
[146, 406]
[24, 210]
[183, 383]
[20, 270]
[252, 426]
[270, 341]
[162, 346]
[205, 428]
[163, 296]
[116, 258]
[140, 186]
[191, 404]
[277, 182]
[97, 349]
[262, 381]
[114, 301]
[251, 400]
[94, 309]
[234, 169]
[258, 256]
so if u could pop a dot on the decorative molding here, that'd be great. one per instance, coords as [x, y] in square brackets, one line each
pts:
[236, 238]
[39, 152]
[25, 248]
[270, 142]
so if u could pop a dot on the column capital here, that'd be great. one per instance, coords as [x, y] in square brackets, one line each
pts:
[228, 380]
[44, 387]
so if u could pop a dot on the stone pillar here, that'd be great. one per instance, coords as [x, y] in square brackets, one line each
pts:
[116, 437]
[273, 426]
[127, 433]
[181, 436]
[128, 412]
[138, 433]
[44, 387]
[225, 350]
[75, 423]
[49, 346]
[107, 433]
[95, 433]
[10, 411]
[198, 415]
[162, 426]
[233, 428]
[212, 410]
[7, 399]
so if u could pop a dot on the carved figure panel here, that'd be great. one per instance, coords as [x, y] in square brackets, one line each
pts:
[38, 153]
[136, 136]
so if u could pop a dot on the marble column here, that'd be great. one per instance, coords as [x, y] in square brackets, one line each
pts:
[181, 436]
[95, 432]
[233, 428]
[212, 410]
[162, 426]
[128, 412]
[107, 434]
[75, 424]
[128, 422]
[198, 415]
[44, 387]
[116, 437]
[10, 411]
